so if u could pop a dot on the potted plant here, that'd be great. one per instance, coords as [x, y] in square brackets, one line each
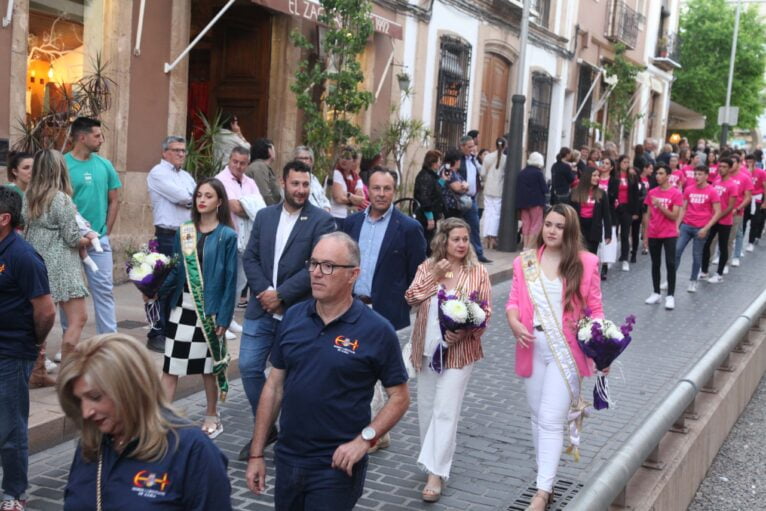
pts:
[662, 46]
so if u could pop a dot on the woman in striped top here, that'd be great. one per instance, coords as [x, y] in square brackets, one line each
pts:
[452, 265]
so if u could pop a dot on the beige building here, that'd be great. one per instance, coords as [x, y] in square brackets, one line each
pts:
[648, 29]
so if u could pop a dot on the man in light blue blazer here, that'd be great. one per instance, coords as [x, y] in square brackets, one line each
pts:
[274, 261]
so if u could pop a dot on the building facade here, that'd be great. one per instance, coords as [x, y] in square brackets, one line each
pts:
[168, 60]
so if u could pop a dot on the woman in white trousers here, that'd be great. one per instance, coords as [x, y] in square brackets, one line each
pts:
[442, 380]
[551, 287]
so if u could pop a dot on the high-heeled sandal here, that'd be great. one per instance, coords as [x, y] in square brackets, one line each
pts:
[212, 426]
[543, 495]
[431, 493]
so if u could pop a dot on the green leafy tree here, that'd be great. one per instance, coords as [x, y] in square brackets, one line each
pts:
[622, 115]
[706, 31]
[336, 79]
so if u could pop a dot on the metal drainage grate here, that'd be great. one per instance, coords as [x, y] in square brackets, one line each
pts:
[129, 324]
[565, 491]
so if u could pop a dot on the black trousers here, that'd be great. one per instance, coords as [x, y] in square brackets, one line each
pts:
[591, 246]
[635, 237]
[723, 231]
[624, 219]
[656, 245]
[756, 227]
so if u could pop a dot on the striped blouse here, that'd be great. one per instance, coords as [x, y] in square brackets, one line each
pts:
[423, 287]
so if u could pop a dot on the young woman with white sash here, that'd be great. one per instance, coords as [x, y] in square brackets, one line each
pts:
[202, 289]
[551, 287]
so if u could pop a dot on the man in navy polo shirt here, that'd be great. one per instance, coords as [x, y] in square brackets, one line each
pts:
[328, 354]
[27, 313]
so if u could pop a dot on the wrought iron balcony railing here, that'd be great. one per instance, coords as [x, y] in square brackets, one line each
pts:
[623, 23]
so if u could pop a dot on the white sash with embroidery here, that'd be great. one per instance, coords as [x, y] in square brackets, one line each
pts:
[557, 343]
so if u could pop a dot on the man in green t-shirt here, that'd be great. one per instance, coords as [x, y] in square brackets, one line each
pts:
[95, 186]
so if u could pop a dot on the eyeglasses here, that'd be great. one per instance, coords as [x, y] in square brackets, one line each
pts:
[179, 151]
[325, 267]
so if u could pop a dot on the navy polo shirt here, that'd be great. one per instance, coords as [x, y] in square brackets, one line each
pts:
[191, 476]
[330, 375]
[23, 276]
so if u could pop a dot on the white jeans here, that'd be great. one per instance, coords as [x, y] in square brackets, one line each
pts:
[440, 397]
[549, 401]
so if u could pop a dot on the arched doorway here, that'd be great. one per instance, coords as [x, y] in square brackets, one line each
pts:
[494, 99]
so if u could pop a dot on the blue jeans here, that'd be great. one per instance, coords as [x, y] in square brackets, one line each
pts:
[687, 234]
[317, 489]
[14, 419]
[472, 217]
[257, 339]
[100, 286]
[165, 241]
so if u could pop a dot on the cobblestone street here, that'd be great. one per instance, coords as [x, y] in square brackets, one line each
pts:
[494, 462]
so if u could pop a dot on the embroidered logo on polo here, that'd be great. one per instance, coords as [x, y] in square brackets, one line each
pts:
[346, 345]
[148, 484]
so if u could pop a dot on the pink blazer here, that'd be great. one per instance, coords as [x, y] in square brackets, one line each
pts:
[590, 289]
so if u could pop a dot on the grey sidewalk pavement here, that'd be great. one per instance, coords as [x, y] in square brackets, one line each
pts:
[494, 462]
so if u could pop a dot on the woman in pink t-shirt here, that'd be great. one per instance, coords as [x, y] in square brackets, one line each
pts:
[610, 184]
[628, 208]
[676, 176]
[590, 203]
[663, 208]
[727, 190]
[701, 210]
[754, 210]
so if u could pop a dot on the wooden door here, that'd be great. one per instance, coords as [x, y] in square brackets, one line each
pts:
[240, 68]
[494, 99]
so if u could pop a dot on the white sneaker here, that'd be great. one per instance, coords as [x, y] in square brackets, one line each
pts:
[735, 262]
[692, 286]
[235, 327]
[726, 270]
[715, 279]
[230, 336]
[664, 286]
[653, 299]
[715, 260]
[625, 266]
[702, 276]
[670, 303]
[750, 247]
[57, 357]
[50, 365]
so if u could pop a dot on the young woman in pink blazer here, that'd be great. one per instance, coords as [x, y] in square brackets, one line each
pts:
[551, 288]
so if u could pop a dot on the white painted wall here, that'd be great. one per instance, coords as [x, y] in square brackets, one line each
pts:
[410, 52]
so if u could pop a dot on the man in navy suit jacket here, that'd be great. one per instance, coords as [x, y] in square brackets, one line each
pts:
[392, 246]
[281, 242]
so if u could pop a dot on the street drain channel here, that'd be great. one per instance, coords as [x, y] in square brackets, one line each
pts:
[565, 491]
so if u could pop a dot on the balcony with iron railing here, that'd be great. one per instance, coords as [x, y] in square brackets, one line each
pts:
[667, 54]
[623, 24]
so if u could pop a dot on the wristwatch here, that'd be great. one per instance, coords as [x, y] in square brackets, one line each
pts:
[369, 434]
